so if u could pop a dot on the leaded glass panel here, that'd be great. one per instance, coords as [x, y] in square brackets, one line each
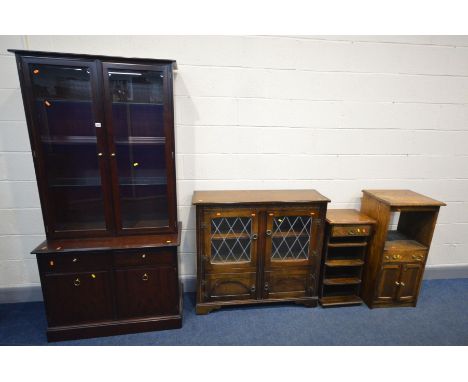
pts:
[291, 237]
[231, 239]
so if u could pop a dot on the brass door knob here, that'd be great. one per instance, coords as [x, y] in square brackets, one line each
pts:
[77, 282]
[351, 232]
[145, 277]
[99, 154]
[268, 232]
[143, 256]
[253, 289]
[254, 236]
[75, 259]
[397, 283]
[387, 257]
[402, 284]
[112, 154]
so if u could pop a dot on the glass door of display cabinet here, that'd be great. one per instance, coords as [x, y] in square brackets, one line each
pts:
[230, 239]
[291, 238]
[69, 147]
[139, 115]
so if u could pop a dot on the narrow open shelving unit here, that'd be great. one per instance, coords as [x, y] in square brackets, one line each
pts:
[344, 253]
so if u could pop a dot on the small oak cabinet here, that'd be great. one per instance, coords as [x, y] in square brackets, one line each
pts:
[399, 248]
[258, 247]
[102, 139]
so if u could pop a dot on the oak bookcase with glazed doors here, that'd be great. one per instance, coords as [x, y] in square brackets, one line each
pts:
[102, 139]
[257, 247]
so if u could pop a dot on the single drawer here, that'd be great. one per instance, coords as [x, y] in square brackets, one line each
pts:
[145, 257]
[74, 262]
[414, 256]
[351, 230]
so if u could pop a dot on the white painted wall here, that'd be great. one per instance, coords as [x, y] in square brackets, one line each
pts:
[337, 114]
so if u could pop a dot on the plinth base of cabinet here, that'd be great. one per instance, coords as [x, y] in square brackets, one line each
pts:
[392, 305]
[340, 301]
[113, 328]
[207, 307]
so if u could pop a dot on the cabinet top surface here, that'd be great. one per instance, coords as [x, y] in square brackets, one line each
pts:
[36, 53]
[109, 243]
[402, 198]
[257, 196]
[346, 216]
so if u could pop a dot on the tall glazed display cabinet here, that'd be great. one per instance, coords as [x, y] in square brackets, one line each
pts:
[102, 139]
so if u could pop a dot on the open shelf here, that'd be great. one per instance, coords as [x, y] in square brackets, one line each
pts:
[340, 300]
[345, 245]
[343, 263]
[342, 281]
[397, 241]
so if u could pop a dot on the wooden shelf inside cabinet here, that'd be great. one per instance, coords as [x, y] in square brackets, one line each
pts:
[342, 281]
[344, 263]
[228, 236]
[347, 236]
[346, 245]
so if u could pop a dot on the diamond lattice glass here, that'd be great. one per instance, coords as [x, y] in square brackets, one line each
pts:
[230, 239]
[291, 237]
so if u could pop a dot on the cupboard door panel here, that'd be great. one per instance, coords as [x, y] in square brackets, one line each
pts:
[409, 282]
[70, 149]
[230, 239]
[291, 237]
[146, 292]
[388, 282]
[77, 298]
[139, 114]
[288, 284]
[233, 286]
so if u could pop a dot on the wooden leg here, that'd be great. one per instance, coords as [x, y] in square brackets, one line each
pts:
[205, 309]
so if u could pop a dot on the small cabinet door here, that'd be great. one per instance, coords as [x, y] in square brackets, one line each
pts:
[138, 107]
[288, 283]
[409, 282]
[146, 292]
[77, 298]
[388, 282]
[230, 286]
[292, 237]
[230, 239]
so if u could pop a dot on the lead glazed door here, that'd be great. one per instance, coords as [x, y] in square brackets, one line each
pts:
[291, 252]
[231, 237]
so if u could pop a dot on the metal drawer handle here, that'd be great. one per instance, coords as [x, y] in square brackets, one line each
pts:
[268, 232]
[77, 282]
[145, 277]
